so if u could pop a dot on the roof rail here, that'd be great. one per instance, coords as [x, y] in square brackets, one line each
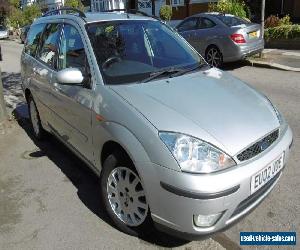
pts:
[133, 11]
[59, 12]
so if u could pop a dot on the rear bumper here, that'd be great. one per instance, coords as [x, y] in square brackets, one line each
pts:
[241, 52]
[174, 197]
[3, 36]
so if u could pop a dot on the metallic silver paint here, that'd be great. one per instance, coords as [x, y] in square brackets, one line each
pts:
[210, 105]
[69, 76]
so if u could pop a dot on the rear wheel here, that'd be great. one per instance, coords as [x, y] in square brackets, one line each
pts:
[37, 128]
[124, 195]
[214, 56]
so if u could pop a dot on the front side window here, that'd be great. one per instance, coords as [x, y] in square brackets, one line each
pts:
[49, 44]
[72, 53]
[129, 51]
[33, 38]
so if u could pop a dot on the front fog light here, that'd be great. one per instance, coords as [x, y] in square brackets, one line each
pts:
[206, 220]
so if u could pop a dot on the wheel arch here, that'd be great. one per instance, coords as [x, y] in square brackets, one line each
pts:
[27, 94]
[120, 138]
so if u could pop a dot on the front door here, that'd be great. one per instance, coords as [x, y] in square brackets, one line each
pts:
[73, 104]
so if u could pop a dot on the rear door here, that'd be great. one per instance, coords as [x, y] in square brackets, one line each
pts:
[204, 34]
[72, 104]
[188, 28]
[37, 66]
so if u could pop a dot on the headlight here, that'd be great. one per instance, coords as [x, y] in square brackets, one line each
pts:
[194, 155]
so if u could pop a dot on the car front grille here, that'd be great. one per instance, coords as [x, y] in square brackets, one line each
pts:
[258, 147]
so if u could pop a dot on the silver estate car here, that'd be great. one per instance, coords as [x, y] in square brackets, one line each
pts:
[175, 143]
[222, 37]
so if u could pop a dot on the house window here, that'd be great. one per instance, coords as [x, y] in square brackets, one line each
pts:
[177, 2]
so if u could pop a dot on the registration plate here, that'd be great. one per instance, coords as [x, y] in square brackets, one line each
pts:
[266, 174]
[253, 34]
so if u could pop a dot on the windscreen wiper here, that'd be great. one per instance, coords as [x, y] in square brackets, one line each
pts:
[185, 71]
[157, 74]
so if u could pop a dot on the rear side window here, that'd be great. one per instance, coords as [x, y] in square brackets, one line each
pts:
[49, 45]
[33, 38]
[232, 20]
[205, 23]
[189, 24]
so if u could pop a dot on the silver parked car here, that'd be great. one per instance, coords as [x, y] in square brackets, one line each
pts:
[222, 37]
[3, 32]
[174, 142]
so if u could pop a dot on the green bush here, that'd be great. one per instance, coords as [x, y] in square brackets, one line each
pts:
[18, 18]
[234, 7]
[286, 20]
[283, 32]
[165, 12]
[272, 21]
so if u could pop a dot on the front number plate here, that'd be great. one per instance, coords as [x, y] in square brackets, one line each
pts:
[266, 174]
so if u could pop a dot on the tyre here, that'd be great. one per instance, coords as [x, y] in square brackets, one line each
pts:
[37, 128]
[214, 56]
[124, 196]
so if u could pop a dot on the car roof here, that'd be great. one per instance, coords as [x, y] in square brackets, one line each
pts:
[91, 17]
[213, 14]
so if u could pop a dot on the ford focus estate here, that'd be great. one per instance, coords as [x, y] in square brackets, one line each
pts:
[175, 143]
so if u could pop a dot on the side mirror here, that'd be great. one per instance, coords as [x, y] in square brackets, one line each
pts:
[70, 76]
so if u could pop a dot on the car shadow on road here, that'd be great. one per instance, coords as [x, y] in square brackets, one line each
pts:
[234, 65]
[86, 182]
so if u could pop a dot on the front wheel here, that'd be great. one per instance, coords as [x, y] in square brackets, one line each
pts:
[124, 195]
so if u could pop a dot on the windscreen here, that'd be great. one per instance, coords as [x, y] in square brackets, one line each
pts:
[130, 50]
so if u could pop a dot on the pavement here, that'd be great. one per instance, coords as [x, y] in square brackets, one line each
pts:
[50, 200]
[279, 59]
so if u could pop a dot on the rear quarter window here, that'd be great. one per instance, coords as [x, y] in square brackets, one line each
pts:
[232, 20]
[33, 38]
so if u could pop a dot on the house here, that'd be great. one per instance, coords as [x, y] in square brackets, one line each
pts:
[45, 4]
[181, 8]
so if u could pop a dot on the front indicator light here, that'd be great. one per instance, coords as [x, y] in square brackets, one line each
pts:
[206, 220]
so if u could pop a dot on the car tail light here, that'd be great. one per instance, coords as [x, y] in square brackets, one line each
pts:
[238, 38]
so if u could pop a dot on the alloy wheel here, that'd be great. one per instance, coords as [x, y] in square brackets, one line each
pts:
[214, 57]
[126, 196]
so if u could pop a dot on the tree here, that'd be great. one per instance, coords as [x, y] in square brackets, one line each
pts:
[165, 12]
[18, 18]
[30, 13]
[74, 4]
[4, 10]
[3, 113]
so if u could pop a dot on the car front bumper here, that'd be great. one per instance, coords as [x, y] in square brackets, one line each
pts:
[174, 197]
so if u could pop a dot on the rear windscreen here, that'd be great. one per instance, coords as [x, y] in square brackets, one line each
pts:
[232, 20]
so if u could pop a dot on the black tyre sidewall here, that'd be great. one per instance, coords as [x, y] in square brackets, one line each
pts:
[40, 135]
[112, 161]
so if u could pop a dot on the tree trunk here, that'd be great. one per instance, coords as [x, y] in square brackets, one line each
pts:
[153, 7]
[3, 112]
